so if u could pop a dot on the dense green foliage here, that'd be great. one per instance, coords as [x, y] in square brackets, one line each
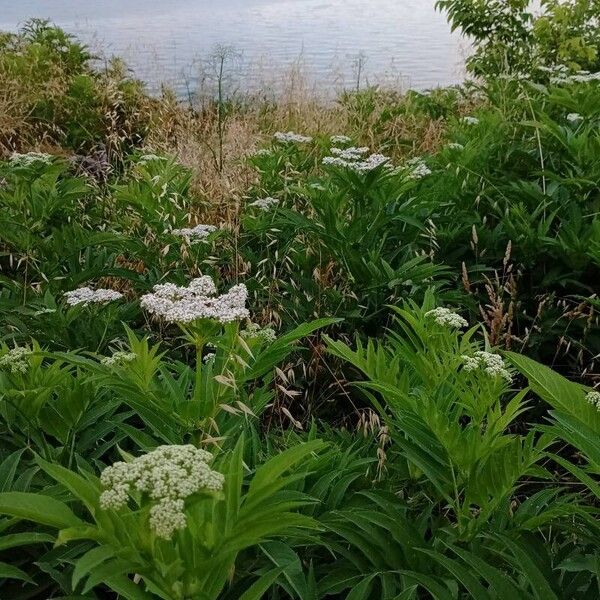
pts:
[402, 406]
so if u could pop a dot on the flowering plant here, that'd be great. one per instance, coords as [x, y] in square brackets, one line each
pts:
[166, 525]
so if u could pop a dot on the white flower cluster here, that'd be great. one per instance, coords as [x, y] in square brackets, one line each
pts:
[455, 146]
[197, 301]
[574, 118]
[146, 158]
[418, 168]
[196, 234]
[263, 152]
[118, 358]
[340, 139]
[31, 158]
[593, 398]
[86, 295]
[265, 203]
[354, 159]
[255, 332]
[560, 74]
[291, 137]
[208, 358]
[492, 364]
[470, 120]
[16, 360]
[446, 317]
[168, 475]
[352, 153]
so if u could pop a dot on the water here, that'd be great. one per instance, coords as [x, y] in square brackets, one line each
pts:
[172, 41]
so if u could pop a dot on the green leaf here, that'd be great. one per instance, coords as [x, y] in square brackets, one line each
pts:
[259, 587]
[8, 468]
[89, 561]
[274, 468]
[471, 584]
[14, 540]
[80, 487]
[559, 392]
[39, 509]
[11, 572]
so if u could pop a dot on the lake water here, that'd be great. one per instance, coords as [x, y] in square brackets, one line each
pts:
[172, 41]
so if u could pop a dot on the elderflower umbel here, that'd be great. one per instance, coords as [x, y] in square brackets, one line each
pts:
[30, 158]
[208, 358]
[118, 358]
[195, 234]
[167, 475]
[418, 169]
[593, 398]
[492, 364]
[255, 332]
[351, 158]
[15, 360]
[265, 203]
[340, 139]
[146, 158]
[86, 295]
[197, 301]
[352, 153]
[574, 118]
[291, 137]
[446, 317]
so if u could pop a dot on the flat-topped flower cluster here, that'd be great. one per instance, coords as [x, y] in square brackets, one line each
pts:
[491, 364]
[340, 139]
[288, 137]
[196, 234]
[254, 331]
[265, 203]
[417, 168]
[30, 158]
[118, 358]
[168, 475]
[199, 300]
[593, 398]
[446, 318]
[15, 360]
[354, 158]
[86, 295]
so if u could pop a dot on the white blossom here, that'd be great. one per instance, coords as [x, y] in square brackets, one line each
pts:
[470, 120]
[418, 168]
[254, 331]
[291, 137]
[446, 317]
[15, 360]
[197, 301]
[574, 118]
[167, 476]
[265, 203]
[352, 153]
[351, 159]
[118, 358]
[491, 364]
[340, 139]
[455, 146]
[30, 158]
[146, 158]
[593, 398]
[208, 358]
[86, 295]
[195, 234]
